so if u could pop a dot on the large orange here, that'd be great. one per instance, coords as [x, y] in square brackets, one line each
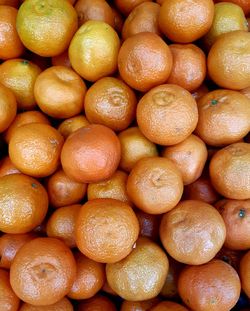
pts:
[98, 303]
[70, 125]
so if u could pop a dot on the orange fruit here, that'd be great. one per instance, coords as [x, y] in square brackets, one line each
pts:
[93, 50]
[201, 91]
[91, 154]
[13, 3]
[8, 299]
[112, 188]
[110, 102]
[186, 22]
[155, 185]
[144, 61]
[61, 60]
[169, 306]
[106, 230]
[209, 287]
[10, 245]
[189, 66]
[223, 117]
[8, 106]
[63, 191]
[193, 232]
[189, 156]
[245, 273]
[107, 289]
[61, 224]
[139, 305]
[43, 271]
[97, 303]
[89, 280]
[149, 225]
[143, 18]
[23, 203]
[46, 28]
[242, 3]
[167, 114]
[236, 215]
[7, 167]
[35, 149]
[134, 146]
[19, 76]
[118, 20]
[141, 275]
[62, 305]
[59, 92]
[126, 6]
[10, 44]
[70, 125]
[228, 60]
[230, 171]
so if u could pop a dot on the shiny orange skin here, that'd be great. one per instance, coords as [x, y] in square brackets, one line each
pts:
[106, 230]
[61, 224]
[91, 154]
[61, 60]
[43, 271]
[189, 66]
[7, 167]
[8, 107]
[62, 305]
[8, 299]
[189, 228]
[242, 3]
[35, 149]
[245, 273]
[10, 44]
[167, 114]
[209, 287]
[149, 225]
[185, 22]
[97, 303]
[168, 306]
[144, 61]
[110, 102]
[70, 125]
[139, 305]
[126, 6]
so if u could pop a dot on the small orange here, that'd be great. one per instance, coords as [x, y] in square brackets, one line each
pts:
[8, 299]
[7, 167]
[8, 107]
[61, 60]
[97, 303]
[70, 125]
[61, 305]
[149, 224]
[139, 305]
[126, 6]
[245, 273]
[169, 306]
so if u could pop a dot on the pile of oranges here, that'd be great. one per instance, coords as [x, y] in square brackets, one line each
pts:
[125, 155]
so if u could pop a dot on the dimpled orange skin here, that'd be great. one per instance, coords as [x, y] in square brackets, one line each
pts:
[126, 6]
[245, 273]
[169, 306]
[8, 107]
[167, 114]
[139, 305]
[8, 299]
[35, 149]
[106, 230]
[143, 18]
[91, 154]
[141, 275]
[7, 167]
[223, 117]
[227, 61]
[98, 303]
[193, 232]
[189, 66]
[230, 171]
[23, 203]
[90, 278]
[61, 305]
[59, 92]
[210, 287]
[155, 185]
[144, 61]
[110, 102]
[70, 125]
[236, 215]
[189, 156]
[43, 271]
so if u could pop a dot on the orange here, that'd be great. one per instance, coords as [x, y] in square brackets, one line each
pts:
[63, 191]
[149, 225]
[189, 66]
[97, 303]
[155, 185]
[185, 22]
[8, 299]
[93, 50]
[61, 59]
[89, 280]
[245, 273]
[61, 305]
[110, 102]
[242, 3]
[46, 27]
[70, 125]
[126, 6]
[210, 287]
[227, 60]
[35, 149]
[91, 154]
[23, 203]
[61, 224]
[141, 275]
[201, 91]
[144, 61]
[7, 167]
[167, 114]
[10, 44]
[143, 18]
[13, 3]
[193, 232]
[223, 117]
[112, 188]
[107, 289]
[106, 230]
[139, 305]
[236, 215]
[43, 271]
[134, 146]
[230, 171]
[169, 306]
[8, 106]
[118, 20]
[19, 76]
[10, 245]
[189, 156]
[59, 92]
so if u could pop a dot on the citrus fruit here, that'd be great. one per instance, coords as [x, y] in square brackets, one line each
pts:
[126, 6]
[139, 305]
[7, 167]
[8, 299]
[14, 3]
[97, 303]
[245, 273]
[149, 225]
[61, 59]
[242, 3]
[118, 20]
[169, 306]
[8, 107]
[70, 125]
[62, 305]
